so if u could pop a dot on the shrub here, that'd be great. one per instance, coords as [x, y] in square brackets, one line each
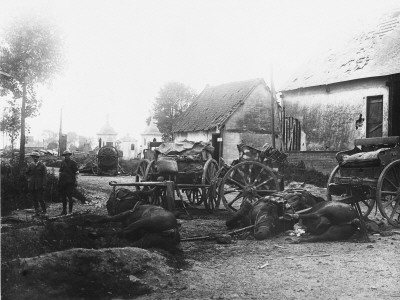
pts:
[14, 188]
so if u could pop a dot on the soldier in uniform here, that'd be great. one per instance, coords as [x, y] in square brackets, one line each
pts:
[67, 180]
[37, 174]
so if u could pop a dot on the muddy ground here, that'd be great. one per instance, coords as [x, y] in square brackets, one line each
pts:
[270, 269]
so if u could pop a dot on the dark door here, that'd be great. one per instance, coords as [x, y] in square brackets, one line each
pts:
[394, 109]
[217, 144]
[374, 116]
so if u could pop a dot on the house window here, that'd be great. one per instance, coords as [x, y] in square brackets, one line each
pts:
[132, 146]
[109, 144]
[374, 116]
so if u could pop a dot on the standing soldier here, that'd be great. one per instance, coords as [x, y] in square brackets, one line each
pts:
[37, 174]
[67, 180]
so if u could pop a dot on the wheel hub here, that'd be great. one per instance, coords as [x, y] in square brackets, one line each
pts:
[250, 190]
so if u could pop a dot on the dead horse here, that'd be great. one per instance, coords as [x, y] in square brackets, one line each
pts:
[145, 226]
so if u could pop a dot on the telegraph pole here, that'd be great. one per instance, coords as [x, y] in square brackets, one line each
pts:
[60, 135]
[273, 106]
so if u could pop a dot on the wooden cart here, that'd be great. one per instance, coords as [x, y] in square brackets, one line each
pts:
[369, 176]
[190, 166]
[257, 173]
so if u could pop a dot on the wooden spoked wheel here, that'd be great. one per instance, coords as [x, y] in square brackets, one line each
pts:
[157, 197]
[388, 193]
[209, 194]
[366, 205]
[194, 196]
[141, 170]
[248, 180]
[150, 173]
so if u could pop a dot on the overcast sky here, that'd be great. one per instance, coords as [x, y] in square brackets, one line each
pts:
[119, 53]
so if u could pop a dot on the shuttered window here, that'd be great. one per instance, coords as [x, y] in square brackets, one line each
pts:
[374, 116]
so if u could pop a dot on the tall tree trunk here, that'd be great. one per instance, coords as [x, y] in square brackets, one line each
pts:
[22, 144]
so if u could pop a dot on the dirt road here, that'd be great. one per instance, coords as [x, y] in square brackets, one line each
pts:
[270, 269]
[275, 268]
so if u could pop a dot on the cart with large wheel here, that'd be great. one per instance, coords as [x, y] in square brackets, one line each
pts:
[107, 161]
[190, 166]
[257, 173]
[369, 176]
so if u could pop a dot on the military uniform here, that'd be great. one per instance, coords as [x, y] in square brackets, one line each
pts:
[37, 173]
[66, 182]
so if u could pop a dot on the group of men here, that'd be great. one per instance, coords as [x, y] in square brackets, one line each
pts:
[37, 181]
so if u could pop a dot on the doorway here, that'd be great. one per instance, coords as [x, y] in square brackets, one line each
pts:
[394, 106]
[374, 116]
[217, 144]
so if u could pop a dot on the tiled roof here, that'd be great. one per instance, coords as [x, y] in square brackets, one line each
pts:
[215, 105]
[369, 54]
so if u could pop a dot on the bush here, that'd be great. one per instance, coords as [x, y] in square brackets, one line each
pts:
[14, 188]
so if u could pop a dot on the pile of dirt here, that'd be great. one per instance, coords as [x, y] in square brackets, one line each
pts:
[83, 273]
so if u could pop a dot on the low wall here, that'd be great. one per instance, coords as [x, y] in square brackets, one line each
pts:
[322, 161]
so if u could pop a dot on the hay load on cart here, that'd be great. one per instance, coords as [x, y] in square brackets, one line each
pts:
[191, 166]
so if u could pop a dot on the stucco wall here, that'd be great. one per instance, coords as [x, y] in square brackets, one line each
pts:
[255, 114]
[322, 161]
[328, 113]
[126, 149]
[197, 136]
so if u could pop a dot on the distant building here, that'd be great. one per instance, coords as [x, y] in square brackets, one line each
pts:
[107, 136]
[129, 146]
[150, 134]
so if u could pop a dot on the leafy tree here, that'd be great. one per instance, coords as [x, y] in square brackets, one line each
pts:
[72, 137]
[52, 146]
[173, 99]
[11, 123]
[31, 54]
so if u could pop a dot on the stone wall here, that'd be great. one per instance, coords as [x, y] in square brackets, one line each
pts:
[322, 161]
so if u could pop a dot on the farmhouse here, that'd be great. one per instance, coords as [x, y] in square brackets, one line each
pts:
[350, 92]
[230, 114]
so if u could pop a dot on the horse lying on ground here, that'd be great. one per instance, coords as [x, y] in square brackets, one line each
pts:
[326, 220]
[144, 225]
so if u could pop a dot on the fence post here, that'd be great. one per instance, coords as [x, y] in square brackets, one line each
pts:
[170, 195]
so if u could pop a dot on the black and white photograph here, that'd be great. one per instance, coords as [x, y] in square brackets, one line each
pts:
[200, 149]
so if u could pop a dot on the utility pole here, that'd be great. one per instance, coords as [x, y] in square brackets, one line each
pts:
[60, 135]
[273, 106]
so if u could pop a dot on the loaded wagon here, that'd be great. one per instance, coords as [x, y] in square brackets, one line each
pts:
[369, 176]
[257, 172]
[190, 166]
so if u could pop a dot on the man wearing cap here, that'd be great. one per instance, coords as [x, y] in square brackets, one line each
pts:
[37, 174]
[67, 180]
